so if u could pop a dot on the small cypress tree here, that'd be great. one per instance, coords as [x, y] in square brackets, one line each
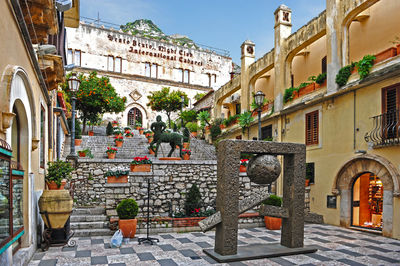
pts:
[109, 129]
[193, 201]
[78, 130]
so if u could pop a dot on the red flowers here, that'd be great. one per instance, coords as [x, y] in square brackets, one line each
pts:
[111, 150]
[141, 160]
[244, 162]
[185, 151]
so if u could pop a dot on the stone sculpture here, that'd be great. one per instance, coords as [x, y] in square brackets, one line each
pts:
[161, 136]
[263, 169]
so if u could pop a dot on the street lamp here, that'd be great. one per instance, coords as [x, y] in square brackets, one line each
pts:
[182, 102]
[73, 85]
[259, 99]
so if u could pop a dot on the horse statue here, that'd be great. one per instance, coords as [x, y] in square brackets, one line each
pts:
[162, 136]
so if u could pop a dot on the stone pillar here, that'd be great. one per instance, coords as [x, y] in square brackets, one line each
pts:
[248, 58]
[387, 214]
[333, 43]
[283, 29]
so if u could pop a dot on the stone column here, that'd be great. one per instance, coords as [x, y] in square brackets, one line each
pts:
[283, 29]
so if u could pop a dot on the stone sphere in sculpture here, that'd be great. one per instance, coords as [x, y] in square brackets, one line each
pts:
[263, 169]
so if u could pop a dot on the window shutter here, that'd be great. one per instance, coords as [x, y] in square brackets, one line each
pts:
[312, 125]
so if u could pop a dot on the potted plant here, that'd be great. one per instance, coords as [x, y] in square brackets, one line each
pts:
[141, 164]
[114, 123]
[141, 130]
[117, 132]
[151, 150]
[186, 154]
[126, 129]
[78, 133]
[85, 153]
[193, 127]
[148, 133]
[58, 173]
[111, 152]
[128, 134]
[138, 125]
[117, 176]
[273, 223]
[127, 210]
[149, 138]
[119, 141]
[243, 165]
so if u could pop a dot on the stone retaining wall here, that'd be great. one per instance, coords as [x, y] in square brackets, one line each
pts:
[170, 180]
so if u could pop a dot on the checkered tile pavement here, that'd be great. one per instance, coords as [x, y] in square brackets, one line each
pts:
[336, 246]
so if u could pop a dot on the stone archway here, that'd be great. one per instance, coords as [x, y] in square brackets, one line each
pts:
[351, 170]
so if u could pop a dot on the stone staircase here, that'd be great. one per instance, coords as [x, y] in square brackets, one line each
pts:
[138, 146]
[90, 222]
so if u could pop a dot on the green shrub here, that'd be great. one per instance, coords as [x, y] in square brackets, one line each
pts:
[215, 131]
[109, 129]
[57, 171]
[193, 201]
[273, 200]
[189, 116]
[288, 95]
[192, 126]
[320, 79]
[364, 65]
[343, 75]
[127, 209]
[230, 120]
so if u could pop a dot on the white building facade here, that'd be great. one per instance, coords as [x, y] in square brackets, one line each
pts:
[137, 66]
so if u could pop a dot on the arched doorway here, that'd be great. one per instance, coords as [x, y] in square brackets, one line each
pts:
[383, 174]
[367, 202]
[134, 115]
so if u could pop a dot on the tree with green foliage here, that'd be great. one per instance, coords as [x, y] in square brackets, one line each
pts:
[188, 116]
[198, 96]
[167, 101]
[245, 119]
[204, 118]
[193, 201]
[109, 129]
[95, 97]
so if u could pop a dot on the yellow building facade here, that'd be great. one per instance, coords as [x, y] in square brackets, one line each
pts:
[352, 130]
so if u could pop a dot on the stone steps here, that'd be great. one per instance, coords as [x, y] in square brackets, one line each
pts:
[88, 218]
[90, 222]
[89, 225]
[92, 232]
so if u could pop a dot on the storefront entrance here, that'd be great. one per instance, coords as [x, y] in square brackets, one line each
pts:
[367, 203]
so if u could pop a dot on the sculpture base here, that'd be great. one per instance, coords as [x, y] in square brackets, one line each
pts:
[259, 251]
[170, 158]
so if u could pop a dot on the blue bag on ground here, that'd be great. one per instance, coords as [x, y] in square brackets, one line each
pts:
[116, 240]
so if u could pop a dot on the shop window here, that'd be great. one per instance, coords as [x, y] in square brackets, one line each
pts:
[11, 214]
[367, 202]
[310, 172]
[118, 65]
[110, 63]
[312, 128]
[266, 133]
[42, 136]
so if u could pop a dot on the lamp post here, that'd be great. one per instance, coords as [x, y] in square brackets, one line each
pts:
[182, 102]
[73, 84]
[259, 99]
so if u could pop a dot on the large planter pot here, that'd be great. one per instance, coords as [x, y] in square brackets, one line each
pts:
[119, 143]
[186, 145]
[186, 156]
[140, 167]
[91, 133]
[242, 169]
[53, 186]
[128, 227]
[120, 179]
[58, 205]
[272, 223]
[111, 155]
[78, 142]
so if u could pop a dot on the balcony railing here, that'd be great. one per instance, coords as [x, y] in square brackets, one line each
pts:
[386, 129]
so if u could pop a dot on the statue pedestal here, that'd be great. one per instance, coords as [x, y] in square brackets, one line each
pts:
[259, 251]
[170, 158]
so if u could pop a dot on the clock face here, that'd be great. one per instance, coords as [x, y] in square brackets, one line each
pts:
[250, 49]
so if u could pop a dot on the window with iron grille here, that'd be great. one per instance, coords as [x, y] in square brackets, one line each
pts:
[312, 128]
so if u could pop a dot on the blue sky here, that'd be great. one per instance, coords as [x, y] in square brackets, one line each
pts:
[223, 24]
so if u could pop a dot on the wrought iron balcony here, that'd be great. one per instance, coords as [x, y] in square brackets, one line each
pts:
[386, 130]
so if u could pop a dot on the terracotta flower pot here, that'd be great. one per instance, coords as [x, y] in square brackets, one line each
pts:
[53, 186]
[272, 223]
[242, 169]
[149, 140]
[111, 155]
[91, 133]
[119, 143]
[118, 135]
[78, 142]
[141, 132]
[186, 145]
[307, 182]
[120, 179]
[194, 134]
[81, 154]
[128, 137]
[140, 167]
[186, 156]
[151, 151]
[128, 227]
[147, 135]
